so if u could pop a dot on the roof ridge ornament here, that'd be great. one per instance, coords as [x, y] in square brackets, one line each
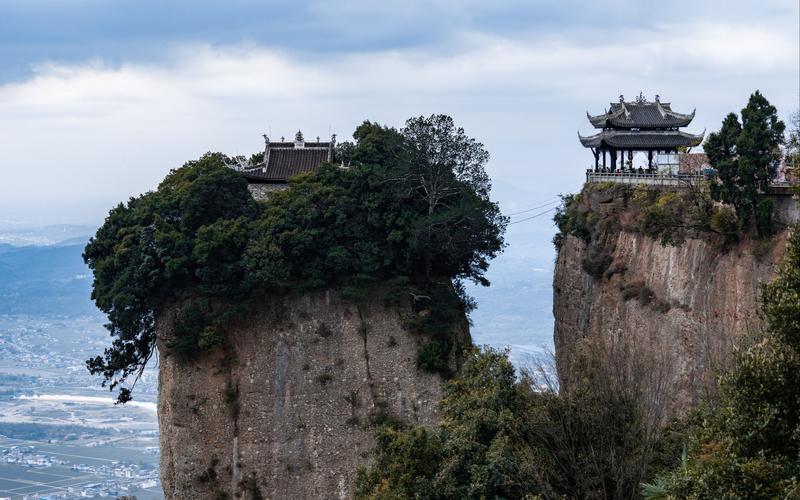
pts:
[625, 109]
[640, 99]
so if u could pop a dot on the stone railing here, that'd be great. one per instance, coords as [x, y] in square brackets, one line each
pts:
[644, 178]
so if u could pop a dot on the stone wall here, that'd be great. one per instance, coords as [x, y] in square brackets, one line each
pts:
[701, 299]
[288, 410]
[261, 191]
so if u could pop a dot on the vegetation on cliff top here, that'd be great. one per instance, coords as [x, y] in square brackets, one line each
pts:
[745, 156]
[413, 209]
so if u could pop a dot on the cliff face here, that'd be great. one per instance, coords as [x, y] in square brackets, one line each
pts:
[676, 309]
[287, 412]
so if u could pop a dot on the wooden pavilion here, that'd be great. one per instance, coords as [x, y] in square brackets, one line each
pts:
[637, 126]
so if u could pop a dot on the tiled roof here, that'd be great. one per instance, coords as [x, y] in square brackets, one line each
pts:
[640, 115]
[629, 139]
[284, 162]
[306, 145]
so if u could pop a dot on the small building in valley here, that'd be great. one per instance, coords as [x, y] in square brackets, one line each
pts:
[285, 159]
[630, 127]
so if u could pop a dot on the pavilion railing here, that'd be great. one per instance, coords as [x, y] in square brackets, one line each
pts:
[622, 177]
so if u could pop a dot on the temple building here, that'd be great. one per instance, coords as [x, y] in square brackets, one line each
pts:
[285, 159]
[640, 126]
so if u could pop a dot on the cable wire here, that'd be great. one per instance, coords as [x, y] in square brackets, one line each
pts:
[534, 208]
[533, 216]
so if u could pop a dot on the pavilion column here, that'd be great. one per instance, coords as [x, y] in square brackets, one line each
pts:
[604, 159]
[650, 159]
[613, 159]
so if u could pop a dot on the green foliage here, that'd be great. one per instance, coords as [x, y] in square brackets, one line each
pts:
[501, 438]
[664, 218]
[432, 356]
[404, 465]
[570, 219]
[436, 310]
[142, 257]
[747, 443]
[476, 451]
[413, 209]
[781, 299]
[596, 261]
[723, 222]
[745, 156]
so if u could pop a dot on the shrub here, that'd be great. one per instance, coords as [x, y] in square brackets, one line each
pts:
[501, 438]
[433, 357]
[570, 218]
[764, 217]
[723, 221]
[325, 377]
[596, 261]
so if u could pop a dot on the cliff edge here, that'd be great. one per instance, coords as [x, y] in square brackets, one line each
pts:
[676, 308]
[288, 409]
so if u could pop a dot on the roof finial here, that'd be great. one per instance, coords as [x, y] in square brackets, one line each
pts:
[298, 137]
[621, 98]
[640, 99]
[283, 139]
[658, 98]
[266, 138]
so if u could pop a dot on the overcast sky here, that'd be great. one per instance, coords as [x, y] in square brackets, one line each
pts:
[99, 98]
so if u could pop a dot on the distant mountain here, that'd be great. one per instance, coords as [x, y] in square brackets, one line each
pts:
[44, 280]
[23, 235]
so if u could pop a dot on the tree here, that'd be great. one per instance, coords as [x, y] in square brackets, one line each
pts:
[445, 169]
[501, 437]
[792, 152]
[202, 244]
[746, 156]
[141, 257]
[478, 451]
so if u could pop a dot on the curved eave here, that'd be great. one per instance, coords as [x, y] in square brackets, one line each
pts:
[641, 140]
[591, 141]
[696, 140]
[602, 121]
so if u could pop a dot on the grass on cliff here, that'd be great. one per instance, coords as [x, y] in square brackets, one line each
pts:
[669, 215]
[413, 209]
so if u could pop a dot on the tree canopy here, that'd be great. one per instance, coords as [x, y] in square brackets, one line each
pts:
[746, 155]
[411, 207]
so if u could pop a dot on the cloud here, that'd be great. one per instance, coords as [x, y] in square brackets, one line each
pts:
[94, 133]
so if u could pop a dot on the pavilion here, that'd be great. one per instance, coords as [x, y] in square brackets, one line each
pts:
[639, 126]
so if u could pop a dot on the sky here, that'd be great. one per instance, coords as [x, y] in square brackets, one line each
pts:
[100, 98]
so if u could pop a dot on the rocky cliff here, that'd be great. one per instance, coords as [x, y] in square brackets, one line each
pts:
[676, 308]
[288, 409]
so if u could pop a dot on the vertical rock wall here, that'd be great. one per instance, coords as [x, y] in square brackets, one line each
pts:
[288, 413]
[702, 299]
